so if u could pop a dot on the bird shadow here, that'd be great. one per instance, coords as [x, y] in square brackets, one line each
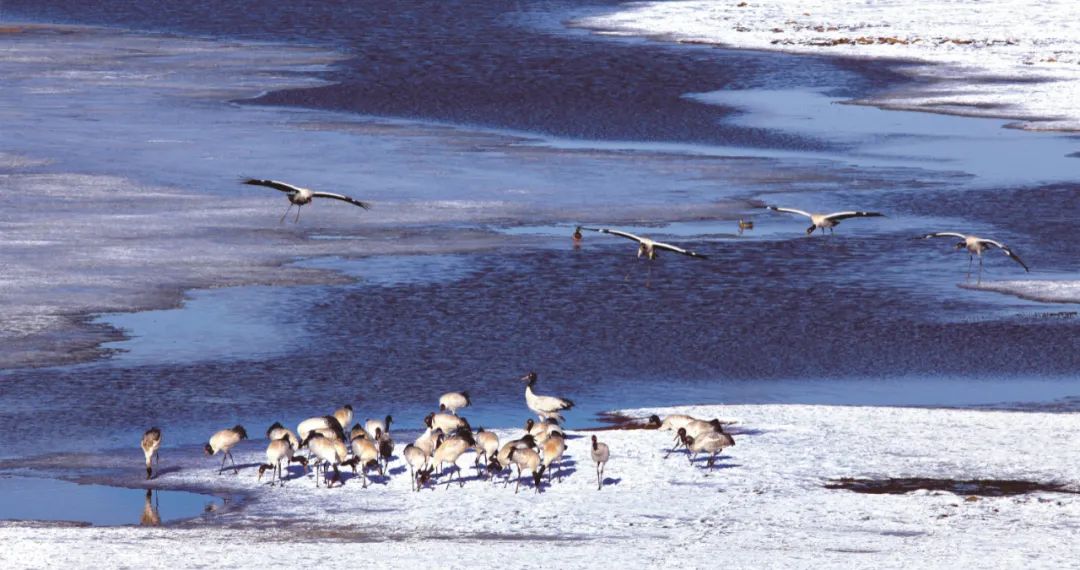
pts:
[612, 481]
[703, 464]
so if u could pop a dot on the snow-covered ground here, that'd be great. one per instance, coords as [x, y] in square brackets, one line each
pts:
[1005, 58]
[764, 504]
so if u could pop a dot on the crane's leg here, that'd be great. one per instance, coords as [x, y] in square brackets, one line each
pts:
[222, 468]
[282, 220]
[971, 262]
[979, 282]
[297, 220]
[518, 486]
[233, 461]
[599, 481]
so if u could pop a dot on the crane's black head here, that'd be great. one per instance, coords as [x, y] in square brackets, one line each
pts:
[389, 420]
[428, 418]
[961, 245]
[529, 440]
[442, 407]
[276, 425]
[240, 431]
[348, 407]
[378, 433]
[351, 463]
[530, 378]
[715, 422]
[263, 468]
[594, 442]
[209, 450]
[423, 476]
[467, 436]
[468, 400]
[310, 436]
[299, 459]
[529, 423]
[654, 421]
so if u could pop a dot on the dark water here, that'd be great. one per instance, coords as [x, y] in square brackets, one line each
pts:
[504, 64]
[863, 316]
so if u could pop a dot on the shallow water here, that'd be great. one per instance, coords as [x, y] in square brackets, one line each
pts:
[100, 505]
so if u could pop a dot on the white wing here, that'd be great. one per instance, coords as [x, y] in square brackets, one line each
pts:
[1005, 249]
[845, 215]
[343, 198]
[675, 249]
[283, 186]
[942, 234]
[790, 210]
[626, 235]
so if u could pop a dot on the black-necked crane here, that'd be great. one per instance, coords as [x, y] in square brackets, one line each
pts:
[223, 441]
[386, 447]
[975, 247]
[502, 458]
[448, 423]
[343, 415]
[383, 425]
[454, 401]
[544, 406]
[646, 247]
[300, 196]
[328, 426]
[553, 449]
[543, 429]
[151, 443]
[712, 442]
[526, 460]
[366, 456]
[278, 431]
[450, 450]
[417, 459]
[327, 451]
[280, 451]
[429, 440]
[487, 446]
[826, 221]
[694, 428]
[600, 456]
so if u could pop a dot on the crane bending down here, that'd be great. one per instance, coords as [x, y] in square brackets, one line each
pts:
[823, 221]
[975, 246]
[299, 196]
[646, 246]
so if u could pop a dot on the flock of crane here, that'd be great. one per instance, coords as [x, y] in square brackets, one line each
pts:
[447, 436]
[649, 248]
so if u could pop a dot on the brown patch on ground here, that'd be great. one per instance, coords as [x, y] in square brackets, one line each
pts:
[971, 487]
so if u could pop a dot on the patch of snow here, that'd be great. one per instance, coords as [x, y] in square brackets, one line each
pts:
[1001, 58]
